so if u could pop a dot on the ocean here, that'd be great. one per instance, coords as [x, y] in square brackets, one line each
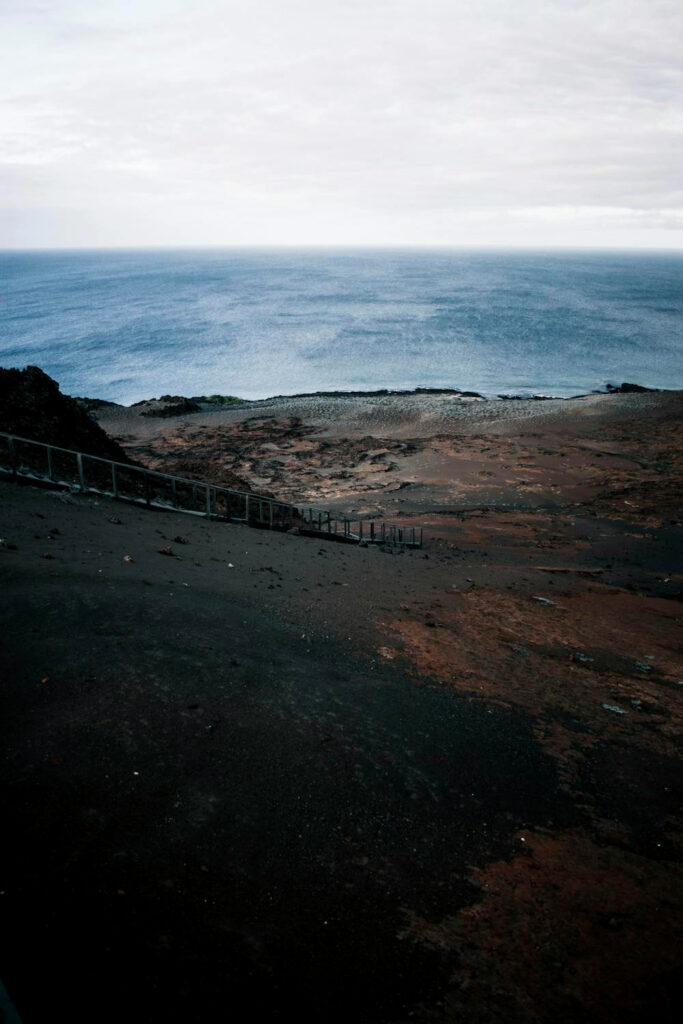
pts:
[128, 325]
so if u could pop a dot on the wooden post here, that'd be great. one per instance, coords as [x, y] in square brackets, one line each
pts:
[50, 470]
[81, 476]
[270, 514]
[208, 502]
[360, 529]
[329, 523]
[114, 481]
[246, 509]
[372, 532]
[174, 493]
[12, 455]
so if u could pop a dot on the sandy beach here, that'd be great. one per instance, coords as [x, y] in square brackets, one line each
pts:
[432, 785]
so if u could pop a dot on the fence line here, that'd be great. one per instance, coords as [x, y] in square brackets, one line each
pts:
[148, 487]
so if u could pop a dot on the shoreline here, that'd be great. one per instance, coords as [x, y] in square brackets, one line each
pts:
[222, 401]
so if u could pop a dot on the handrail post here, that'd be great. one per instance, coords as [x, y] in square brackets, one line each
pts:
[147, 499]
[246, 509]
[81, 475]
[12, 455]
[114, 481]
[270, 515]
[50, 469]
[208, 502]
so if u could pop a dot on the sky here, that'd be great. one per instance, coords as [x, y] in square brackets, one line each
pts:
[532, 123]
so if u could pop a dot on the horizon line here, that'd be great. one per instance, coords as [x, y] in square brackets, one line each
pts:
[339, 247]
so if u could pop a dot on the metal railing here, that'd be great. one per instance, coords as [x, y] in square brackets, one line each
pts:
[47, 463]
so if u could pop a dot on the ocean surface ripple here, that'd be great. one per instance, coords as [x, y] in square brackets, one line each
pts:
[128, 325]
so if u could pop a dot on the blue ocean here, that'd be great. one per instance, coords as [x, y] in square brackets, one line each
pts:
[128, 325]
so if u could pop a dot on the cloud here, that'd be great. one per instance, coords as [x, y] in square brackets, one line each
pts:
[394, 122]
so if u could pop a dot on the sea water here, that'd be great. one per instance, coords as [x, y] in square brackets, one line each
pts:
[128, 325]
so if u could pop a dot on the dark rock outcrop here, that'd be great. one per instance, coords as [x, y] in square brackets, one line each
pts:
[167, 405]
[628, 389]
[32, 406]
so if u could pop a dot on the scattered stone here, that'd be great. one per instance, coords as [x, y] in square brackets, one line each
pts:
[521, 650]
[642, 667]
[613, 707]
[180, 540]
[578, 656]
[166, 550]
[544, 600]
[62, 496]
[115, 520]
[127, 559]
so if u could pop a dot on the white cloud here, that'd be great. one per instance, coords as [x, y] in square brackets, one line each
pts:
[334, 121]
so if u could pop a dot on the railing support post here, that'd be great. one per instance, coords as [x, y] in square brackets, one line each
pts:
[12, 455]
[81, 475]
[208, 502]
[114, 481]
[50, 469]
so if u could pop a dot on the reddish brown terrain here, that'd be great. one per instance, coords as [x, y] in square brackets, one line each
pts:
[274, 773]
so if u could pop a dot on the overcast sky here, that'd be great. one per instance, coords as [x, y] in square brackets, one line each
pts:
[341, 122]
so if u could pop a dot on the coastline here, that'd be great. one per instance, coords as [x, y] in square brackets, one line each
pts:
[384, 454]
